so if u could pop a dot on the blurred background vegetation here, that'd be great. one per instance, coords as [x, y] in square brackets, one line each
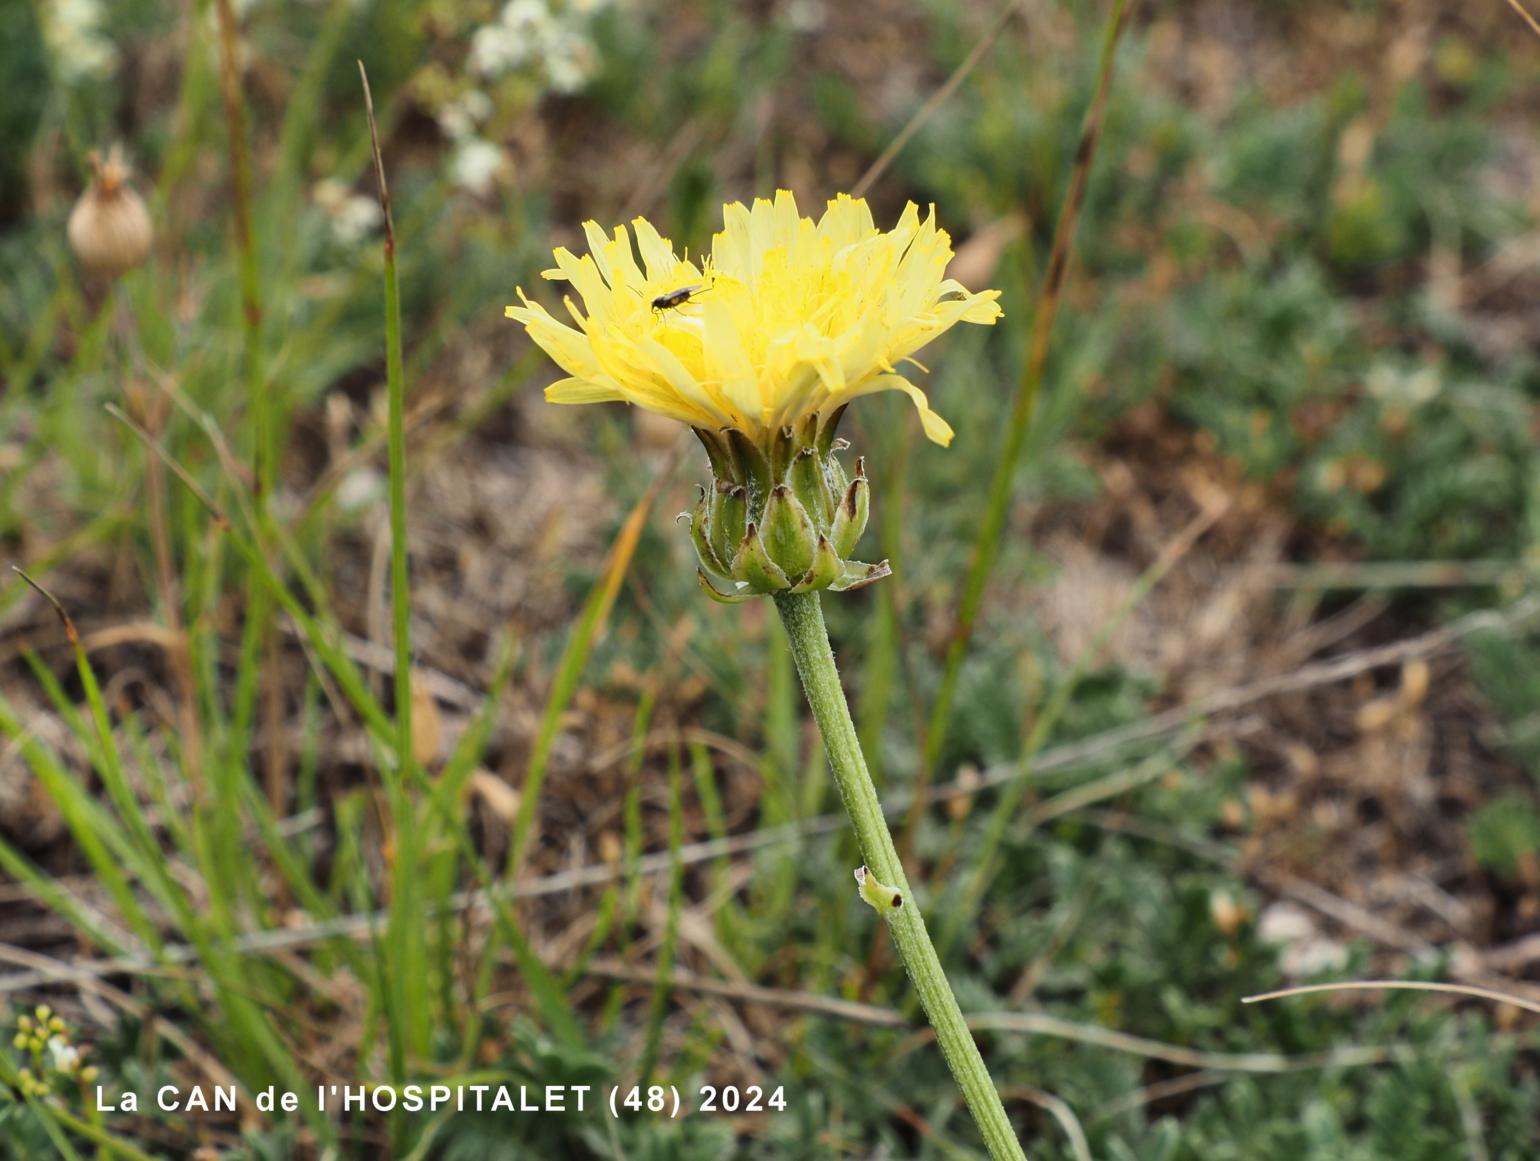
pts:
[1253, 697]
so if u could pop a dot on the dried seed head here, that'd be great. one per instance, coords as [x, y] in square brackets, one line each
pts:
[109, 228]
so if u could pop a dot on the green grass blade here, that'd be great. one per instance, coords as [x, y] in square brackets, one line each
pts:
[410, 1026]
[1024, 405]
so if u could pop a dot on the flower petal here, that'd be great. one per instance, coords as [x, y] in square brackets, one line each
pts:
[937, 429]
[657, 251]
[581, 391]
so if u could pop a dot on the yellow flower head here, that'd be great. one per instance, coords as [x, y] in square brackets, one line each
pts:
[788, 318]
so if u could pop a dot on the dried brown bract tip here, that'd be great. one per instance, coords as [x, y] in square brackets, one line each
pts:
[109, 228]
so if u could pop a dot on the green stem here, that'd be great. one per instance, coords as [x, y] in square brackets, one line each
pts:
[409, 1031]
[803, 617]
[250, 269]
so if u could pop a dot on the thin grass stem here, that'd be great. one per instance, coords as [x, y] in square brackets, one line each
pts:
[408, 980]
[1024, 406]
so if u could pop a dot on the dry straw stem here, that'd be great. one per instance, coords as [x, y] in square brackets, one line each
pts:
[70, 632]
[1025, 1023]
[1524, 12]
[153, 445]
[1060, 1111]
[934, 102]
[1402, 986]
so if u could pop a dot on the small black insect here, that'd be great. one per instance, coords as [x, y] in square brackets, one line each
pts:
[677, 298]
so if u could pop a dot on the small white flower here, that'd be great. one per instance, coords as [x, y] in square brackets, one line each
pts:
[361, 489]
[570, 60]
[1283, 923]
[329, 193]
[1411, 388]
[529, 34]
[64, 1055]
[78, 47]
[1302, 949]
[806, 15]
[352, 216]
[356, 219]
[459, 117]
[526, 15]
[475, 164]
[496, 49]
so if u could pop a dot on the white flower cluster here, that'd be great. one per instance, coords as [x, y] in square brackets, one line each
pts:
[77, 46]
[352, 216]
[62, 1055]
[533, 33]
[550, 41]
[475, 164]
[1407, 387]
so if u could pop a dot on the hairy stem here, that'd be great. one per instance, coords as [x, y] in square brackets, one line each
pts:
[803, 617]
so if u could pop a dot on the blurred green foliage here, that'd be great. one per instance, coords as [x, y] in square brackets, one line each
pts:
[1505, 833]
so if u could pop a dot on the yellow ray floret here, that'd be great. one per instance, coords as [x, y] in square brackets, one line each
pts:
[787, 318]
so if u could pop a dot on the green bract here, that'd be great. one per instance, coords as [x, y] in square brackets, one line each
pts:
[783, 517]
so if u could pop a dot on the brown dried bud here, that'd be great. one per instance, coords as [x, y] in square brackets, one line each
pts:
[109, 228]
